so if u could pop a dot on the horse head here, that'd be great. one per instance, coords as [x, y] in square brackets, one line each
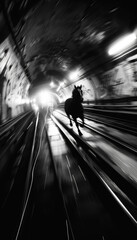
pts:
[77, 93]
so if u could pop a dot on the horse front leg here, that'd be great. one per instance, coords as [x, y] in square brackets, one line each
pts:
[77, 125]
[83, 122]
[70, 120]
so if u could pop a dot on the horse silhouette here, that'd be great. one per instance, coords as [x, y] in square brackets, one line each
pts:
[73, 107]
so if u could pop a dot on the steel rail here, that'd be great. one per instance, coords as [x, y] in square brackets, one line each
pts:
[118, 115]
[3, 162]
[119, 144]
[69, 226]
[29, 178]
[20, 232]
[100, 173]
[8, 125]
[107, 136]
[118, 125]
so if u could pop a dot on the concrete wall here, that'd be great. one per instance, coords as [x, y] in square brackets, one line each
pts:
[121, 81]
[13, 82]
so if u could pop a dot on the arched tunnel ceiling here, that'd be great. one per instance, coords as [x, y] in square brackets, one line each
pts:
[57, 35]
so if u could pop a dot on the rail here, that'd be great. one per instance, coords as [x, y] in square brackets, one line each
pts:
[113, 184]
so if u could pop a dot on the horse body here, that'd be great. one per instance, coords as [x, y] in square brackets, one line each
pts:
[74, 108]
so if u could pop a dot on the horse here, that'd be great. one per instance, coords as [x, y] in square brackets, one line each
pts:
[73, 107]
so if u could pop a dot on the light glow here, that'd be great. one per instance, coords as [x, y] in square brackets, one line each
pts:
[52, 84]
[122, 44]
[45, 98]
[35, 107]
[74, 75]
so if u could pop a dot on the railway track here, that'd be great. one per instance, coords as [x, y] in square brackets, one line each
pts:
[13, 176]
[124, 119]
[89, 165]
[69, 194]
[109, 147]
[109, 131]
[88, 202]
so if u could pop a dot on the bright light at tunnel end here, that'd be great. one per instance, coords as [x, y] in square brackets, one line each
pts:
[122, 44]
[45, 98]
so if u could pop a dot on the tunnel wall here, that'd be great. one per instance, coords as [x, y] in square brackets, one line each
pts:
[121, 80]
[87, 87]
[117, 82]
[13, 82]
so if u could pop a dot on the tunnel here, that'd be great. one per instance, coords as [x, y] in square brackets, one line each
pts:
[68, 120]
